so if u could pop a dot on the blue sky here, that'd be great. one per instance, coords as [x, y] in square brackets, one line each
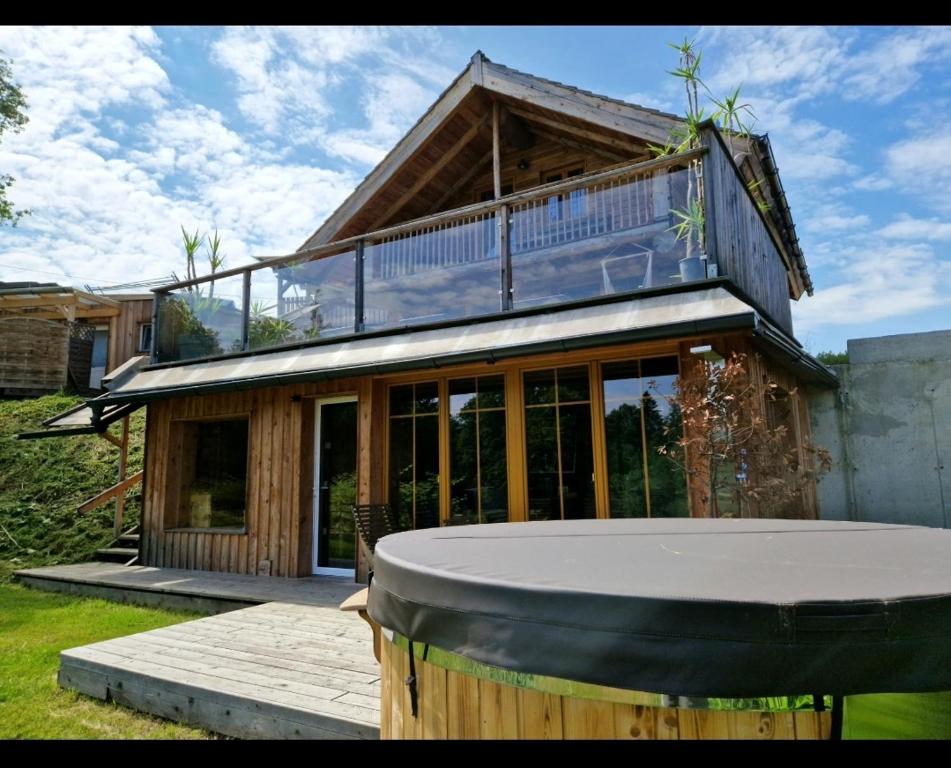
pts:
[262, 132]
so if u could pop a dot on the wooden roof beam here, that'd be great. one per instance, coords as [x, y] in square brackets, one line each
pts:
[463, 180]
[22, 302]
[606, 113]
[592, 136]
[607, 155]
[444, 108]
[434, 169]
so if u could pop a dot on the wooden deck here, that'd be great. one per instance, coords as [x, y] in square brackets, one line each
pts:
[278, 670]
[175, 588]
[290, 666]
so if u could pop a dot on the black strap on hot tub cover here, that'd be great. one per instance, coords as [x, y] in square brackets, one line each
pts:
[708, 608]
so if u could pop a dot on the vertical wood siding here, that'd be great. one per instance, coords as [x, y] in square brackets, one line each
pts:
[124, 331]
[739, 239]
[279, 519]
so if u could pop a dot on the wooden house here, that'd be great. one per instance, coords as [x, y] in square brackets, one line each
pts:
[55, 337]
[486, 330]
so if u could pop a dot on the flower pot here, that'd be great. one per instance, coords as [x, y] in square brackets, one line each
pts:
[691, 268]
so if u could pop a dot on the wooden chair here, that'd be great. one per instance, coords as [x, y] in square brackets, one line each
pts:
[374, 521]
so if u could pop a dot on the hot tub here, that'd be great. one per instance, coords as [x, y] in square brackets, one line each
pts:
[656, 628]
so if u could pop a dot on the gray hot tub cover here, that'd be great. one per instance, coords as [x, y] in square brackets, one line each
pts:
[707, 608]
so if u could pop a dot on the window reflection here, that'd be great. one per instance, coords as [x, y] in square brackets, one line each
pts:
[414, 455]
[477, 451]
[639, 419]
[558, 444]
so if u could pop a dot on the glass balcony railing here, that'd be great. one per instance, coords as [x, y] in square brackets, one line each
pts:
[302, 300]
[606, 233]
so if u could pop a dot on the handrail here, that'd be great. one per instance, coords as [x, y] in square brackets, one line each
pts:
[545, 190]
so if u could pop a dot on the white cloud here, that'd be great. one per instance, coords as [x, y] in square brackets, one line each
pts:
[288, 77]
[893, 65]
[760, 58]
[393, 102]
[108, 213]
[921, 165]
[654, 101]
[879, 282]
[873, 182]
[909, 228]
[835, 221]
[70, 74]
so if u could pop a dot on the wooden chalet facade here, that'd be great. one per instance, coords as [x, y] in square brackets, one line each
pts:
[486, 330]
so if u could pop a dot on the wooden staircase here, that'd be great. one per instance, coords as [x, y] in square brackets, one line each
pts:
[125, 548]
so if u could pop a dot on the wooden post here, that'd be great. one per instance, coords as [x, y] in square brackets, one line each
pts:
[496, 153]
[123, 458]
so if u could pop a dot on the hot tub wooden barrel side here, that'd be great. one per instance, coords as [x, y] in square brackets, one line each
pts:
[454, 704]
[459, 705]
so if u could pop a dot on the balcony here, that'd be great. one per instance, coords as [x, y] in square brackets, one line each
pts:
[605, 233]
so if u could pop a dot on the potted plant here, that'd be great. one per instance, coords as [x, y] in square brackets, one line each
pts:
[690, 228]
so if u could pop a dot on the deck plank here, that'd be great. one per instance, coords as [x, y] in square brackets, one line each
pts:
[290, 666]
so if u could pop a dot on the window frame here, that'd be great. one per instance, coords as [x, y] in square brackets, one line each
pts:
[174, 479]
[513, 371]
[142, 327]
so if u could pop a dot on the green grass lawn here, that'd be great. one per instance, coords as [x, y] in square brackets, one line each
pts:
[42, 482]
[34, 627]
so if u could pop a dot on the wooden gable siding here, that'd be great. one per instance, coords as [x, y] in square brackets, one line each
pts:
[124, 331]
[279, 482]
[455, 163]
[470, 96]
[739, 241]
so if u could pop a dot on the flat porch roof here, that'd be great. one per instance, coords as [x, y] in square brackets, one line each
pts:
[707, 307]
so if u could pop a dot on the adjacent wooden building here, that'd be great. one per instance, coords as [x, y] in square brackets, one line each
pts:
[55, 337]
[490, 328]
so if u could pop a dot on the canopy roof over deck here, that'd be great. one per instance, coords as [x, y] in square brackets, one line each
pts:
[49, 301]
[689, 607]
[712, 306]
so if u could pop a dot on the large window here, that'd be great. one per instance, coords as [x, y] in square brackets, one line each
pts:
[639, 419]
[209, 481]
[478, 485]
[414, 454]
[558, 444]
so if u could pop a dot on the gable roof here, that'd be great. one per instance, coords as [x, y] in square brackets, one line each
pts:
[541, 96]
[603, 111]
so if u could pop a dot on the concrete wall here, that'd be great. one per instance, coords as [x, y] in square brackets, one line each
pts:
[889, 430]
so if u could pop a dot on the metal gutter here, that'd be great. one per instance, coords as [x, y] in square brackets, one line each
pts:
[795, 356]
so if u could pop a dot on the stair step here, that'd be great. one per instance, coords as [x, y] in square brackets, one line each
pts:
[128, 539]
[116, 554]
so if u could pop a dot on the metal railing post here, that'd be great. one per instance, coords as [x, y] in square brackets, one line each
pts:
[505, 257]
[358, 259]
[153, 348]
[246, 310]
